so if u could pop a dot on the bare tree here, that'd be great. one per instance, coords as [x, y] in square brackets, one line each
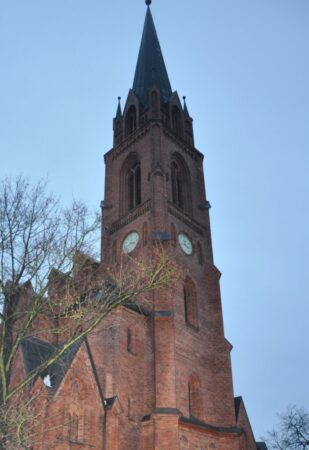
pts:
[292, 432]
[49, 282]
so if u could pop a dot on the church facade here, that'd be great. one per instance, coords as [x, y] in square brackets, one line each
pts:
[157, 378]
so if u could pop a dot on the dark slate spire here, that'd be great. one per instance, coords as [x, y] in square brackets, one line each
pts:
[119, 113]
[150, 69]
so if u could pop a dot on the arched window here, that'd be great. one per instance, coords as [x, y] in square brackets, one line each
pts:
[194, 396]
[73, 427]
[129, 408]
[177, 186]
[129, 340]
[180, 183]
[130, 184]
[134, 186]
[199, 252]
[176, 121]
[190, 300]
[69, 424]
[130, 122]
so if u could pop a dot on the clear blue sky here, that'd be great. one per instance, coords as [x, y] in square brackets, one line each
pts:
[244, 67]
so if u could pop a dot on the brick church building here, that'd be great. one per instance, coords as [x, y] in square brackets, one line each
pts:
[157, 378]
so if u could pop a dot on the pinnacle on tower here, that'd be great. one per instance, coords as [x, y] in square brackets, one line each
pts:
[185, 108]
[119, 112]
[150, 68]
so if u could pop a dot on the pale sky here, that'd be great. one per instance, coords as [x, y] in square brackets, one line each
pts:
[244, 67]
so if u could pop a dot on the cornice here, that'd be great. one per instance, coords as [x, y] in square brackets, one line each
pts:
[192, 422]
[188, 149]
[191, 223]
[184, 145]
[129, 218]
[117, 151]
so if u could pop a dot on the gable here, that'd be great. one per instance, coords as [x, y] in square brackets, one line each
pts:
[36, 352]
[243, 422]
[80, 380]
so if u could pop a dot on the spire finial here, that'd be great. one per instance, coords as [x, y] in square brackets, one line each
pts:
[148, 2]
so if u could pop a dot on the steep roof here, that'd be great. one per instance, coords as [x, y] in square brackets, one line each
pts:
[150, 68]
[36, 352]
[237, 403]
[261, 446]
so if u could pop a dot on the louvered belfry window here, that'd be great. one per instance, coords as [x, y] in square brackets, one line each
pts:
[130, 121]
[134, 186]
[177, 186]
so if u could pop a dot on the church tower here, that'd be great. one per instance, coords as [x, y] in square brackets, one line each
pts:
[154, 374]
[166, 370]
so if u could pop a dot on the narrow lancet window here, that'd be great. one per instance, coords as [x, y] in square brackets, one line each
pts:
[190, 299]
[73, 427]
[194, 394]
[130, 122]
[199, 253]
[134, 186]
[177, 186]
[129, 340]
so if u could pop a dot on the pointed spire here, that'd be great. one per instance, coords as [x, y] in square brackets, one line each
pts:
[119, 112]
[185, 108]
[150, 68]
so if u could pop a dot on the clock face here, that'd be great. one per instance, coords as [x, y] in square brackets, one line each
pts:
[185, 243]
[130, 242]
